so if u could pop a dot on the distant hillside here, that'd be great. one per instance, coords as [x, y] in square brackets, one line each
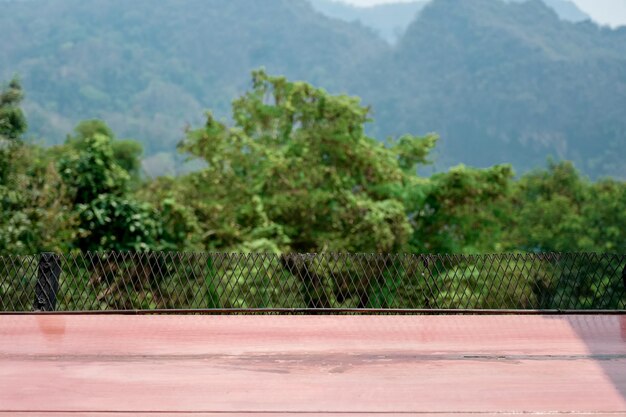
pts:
[506, 82]
[501, 82]
[149, 67]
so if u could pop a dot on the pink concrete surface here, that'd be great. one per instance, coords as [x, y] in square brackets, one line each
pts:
[444, 366]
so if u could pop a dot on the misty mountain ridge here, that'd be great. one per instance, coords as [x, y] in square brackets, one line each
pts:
[500, 82]
[390, 20]
[498, 79]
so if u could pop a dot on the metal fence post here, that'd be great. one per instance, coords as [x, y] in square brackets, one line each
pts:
[48, 274]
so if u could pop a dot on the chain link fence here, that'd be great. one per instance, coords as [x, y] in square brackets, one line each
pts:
[303, 282]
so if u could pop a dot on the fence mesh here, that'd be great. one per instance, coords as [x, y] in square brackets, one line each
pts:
[219, 281]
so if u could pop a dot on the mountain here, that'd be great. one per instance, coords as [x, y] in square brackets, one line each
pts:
[500, 82]
[150, 67]
[388, 20]
[503, 81]
[506, 82]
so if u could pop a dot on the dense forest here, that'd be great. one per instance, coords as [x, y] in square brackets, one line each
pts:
[500, 82]
[295, 171]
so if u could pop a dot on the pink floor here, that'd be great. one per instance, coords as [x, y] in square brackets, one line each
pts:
[444, 366]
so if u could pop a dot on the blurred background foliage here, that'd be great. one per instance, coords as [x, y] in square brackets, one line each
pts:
[501, 81]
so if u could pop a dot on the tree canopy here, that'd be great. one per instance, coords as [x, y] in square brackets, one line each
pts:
[294, 170]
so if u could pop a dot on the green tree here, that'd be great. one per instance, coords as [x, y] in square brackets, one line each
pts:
[34, 214]
[297, 169]
[548, 206]
[12, 126]
[461, 211]
[297, 173]
[12, 120]
[606, 215]
[109, 217]
[558, 210]
[91, 170]
[126, 153]
[181, 229]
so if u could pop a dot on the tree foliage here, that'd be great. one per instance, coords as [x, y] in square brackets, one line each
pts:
[295, 171]
[298, 170]
[560, 210]
[12, 120]
[34, 213]
[98, 178]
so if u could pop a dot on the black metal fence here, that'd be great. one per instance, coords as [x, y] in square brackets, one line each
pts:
[300, 282]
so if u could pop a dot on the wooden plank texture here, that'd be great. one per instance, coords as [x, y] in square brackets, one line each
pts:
[441, 366]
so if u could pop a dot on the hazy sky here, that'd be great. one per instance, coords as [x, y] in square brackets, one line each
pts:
[611, 12]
